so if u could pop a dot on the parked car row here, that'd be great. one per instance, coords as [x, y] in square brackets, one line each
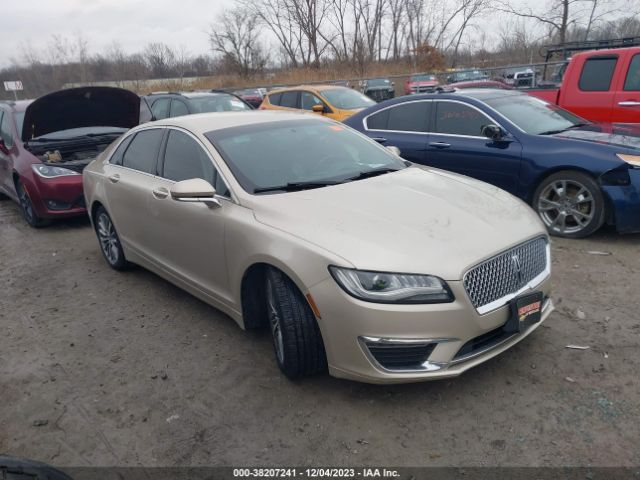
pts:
[288, 219]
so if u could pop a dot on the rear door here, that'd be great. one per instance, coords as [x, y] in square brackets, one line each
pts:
[187, 238]
[5, 158]
[403, 125]
[626, 103]
[593, 96]
[130, 186]
[457, 144]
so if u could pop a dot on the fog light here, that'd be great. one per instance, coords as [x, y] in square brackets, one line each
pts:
[56, 205]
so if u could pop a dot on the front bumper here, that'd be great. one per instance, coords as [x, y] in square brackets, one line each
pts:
[347, 324]
[625, 202]
[57, 197]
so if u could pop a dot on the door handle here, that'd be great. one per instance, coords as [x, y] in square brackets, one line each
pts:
[379, 139]
[629, 103]
[439, 144]
[160, 193]
[114, 178]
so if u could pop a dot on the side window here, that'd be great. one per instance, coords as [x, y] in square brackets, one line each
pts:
[274, 99]
[116, 158]
[5, 129]
[178, 108]
[379, 120]
[632, 82]
[142, 153]
[458, 119]
[409, 117]
[597, 74]
[308, 100]
[289, 100]
[185, 159]
[160, 108]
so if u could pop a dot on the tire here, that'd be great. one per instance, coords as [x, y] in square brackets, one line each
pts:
[26, 208]
[109, 240]
[297, 340]
[20, 469]
[570, 204]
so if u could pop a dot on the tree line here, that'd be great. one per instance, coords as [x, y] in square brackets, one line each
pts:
[254, 37]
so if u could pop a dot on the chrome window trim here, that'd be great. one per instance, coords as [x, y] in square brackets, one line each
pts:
[534, 282]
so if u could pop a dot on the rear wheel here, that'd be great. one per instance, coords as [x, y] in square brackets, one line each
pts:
[26, 207]
[570, 204]
[296, 337]
[109, 241]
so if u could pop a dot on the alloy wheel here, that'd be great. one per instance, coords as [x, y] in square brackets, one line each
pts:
[566, 206]
[109, 242]
[274, 322]
[25, 204]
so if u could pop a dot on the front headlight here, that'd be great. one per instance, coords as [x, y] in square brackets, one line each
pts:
[633, 160]
[50, 172]
[382, 287]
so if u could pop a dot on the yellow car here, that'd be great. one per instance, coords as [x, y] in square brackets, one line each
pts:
[335, 102]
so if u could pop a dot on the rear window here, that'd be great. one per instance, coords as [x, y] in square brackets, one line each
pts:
[274, 99]
[597, 74]
[142, 153]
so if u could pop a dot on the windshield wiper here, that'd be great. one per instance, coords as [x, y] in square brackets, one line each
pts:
[371, 173]
[560, 130]
[295, 186]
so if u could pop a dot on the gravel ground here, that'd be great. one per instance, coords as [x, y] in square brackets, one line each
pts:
[100, 368]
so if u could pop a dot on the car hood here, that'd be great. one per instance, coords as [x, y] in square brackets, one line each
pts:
[81, 107]
[417, 220]
[624, 136]
[380, 87]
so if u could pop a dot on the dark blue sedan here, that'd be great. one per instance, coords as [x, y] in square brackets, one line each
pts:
[577, 175]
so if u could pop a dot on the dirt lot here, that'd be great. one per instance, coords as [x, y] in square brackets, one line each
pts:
[104, 368]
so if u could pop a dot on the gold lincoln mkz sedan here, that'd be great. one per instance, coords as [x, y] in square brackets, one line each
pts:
[357, 260]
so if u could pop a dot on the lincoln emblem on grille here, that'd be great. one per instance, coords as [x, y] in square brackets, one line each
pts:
[518, 269]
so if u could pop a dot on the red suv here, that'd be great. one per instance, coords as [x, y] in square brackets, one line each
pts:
[46, 143]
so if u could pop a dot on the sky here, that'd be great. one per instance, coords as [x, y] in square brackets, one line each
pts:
[131, 23]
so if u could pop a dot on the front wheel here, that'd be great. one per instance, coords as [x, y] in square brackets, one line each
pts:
[570, 204]
[27, 209]
[296, 337]
[109, 241]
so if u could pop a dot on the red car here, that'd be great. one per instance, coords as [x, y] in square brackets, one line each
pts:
[46, 143]
[420, 83]
[600, 85]
[253, 96]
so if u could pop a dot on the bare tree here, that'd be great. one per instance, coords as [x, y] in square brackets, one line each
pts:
[160, 58]
[235, 36]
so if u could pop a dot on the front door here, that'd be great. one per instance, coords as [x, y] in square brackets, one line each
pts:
[185, 238]
[456, 144]
[626, 103]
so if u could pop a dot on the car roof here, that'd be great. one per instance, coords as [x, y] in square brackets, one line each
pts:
[315, 88]
[186, 94]
[207, 122]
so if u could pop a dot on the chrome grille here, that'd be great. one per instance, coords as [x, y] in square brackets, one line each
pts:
[506, 273]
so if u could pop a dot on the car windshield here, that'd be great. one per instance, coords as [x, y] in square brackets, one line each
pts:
[217, 103]
[275, 154]
[533, 115]
[423, 78]
[379, 82]
[346, 99]
[74, 133]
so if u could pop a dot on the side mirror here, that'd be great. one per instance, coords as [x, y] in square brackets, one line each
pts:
[492, 131]
[393, 149]
[3, 147]
[194, 190]
[318, 108]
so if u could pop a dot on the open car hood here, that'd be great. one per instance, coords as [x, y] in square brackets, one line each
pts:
[81, 107]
